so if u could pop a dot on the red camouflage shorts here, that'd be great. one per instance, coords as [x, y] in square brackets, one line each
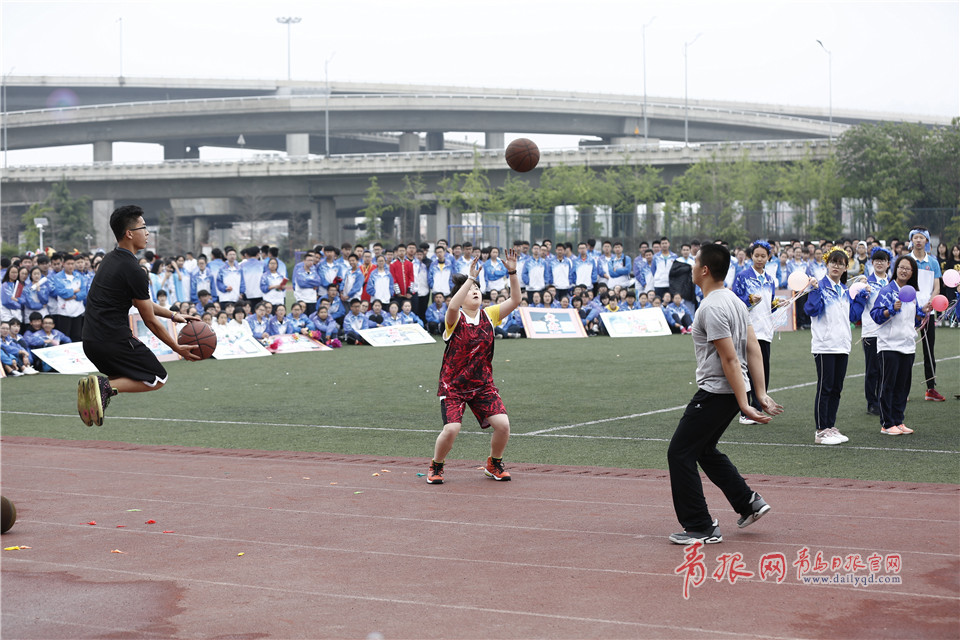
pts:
[484, 403]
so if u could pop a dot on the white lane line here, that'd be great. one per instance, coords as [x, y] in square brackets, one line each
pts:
[419, 604]
[648, 413]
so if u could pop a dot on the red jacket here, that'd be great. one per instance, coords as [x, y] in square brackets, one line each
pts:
[402, 272]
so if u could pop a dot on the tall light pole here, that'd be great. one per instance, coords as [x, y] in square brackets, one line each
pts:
[288, 21]
[686, 104]
[5, 109]
[120, 22]
[643, 31]
[830, 81]
[326, 105]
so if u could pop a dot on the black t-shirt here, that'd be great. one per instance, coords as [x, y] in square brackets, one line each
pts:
[119, 281]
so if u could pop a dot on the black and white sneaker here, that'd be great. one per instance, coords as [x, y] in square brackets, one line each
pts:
[758, 507]
[706, 537]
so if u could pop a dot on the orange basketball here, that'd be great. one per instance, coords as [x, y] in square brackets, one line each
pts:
[522, 155]
[199, 334]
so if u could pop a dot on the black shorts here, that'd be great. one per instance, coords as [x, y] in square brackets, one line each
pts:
[128, 358]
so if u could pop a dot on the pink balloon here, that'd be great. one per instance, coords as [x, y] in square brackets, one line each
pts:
[940, 303]
[951, 277]
[798, 281]
[908, 294]
[856, 288]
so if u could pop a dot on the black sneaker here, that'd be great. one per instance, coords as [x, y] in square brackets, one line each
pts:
[873, 410]
[706, 537]
[758, 507]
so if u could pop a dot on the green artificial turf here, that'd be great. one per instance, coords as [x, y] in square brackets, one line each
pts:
[387, 399]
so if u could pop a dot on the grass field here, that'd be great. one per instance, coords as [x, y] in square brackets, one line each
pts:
[599, 401]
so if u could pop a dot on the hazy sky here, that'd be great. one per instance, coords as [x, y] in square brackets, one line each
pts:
[890, 56]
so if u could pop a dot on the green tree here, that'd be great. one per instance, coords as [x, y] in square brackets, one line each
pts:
[410, 202]
[891, 214]
[374, 209]
[71, 219]
[627, 187]
[828, 223]
[576, 186]
[31, 233]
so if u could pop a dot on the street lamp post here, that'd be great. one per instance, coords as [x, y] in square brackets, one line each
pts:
[643, 31]
[830, 82]
[686, 104]
[288, 21]
[41, 223]
[326, 105]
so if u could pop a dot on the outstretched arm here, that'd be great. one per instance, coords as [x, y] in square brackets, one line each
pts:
[150, 312]
[506, 308]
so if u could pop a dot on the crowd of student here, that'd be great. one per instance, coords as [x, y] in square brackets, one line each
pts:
[339, 292]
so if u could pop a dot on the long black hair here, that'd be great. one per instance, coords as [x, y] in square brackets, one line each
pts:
[913, 265]
[458, 281]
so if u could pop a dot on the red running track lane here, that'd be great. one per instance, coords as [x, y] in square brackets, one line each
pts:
[332, 551]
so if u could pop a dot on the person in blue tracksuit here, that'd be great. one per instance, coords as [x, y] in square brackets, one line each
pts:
[300, 322]
[560, 272]
[351, 285]
[279, 323]
[306, 280]
[877, 280]
[336, 305]
[230, 281]
[435, 314]
[252, 270]
[203, 279]
[494, 271]
[272, 283]
[70, 288]
[327, 326]
[619, 267]
[380, 282]
[259, 322]
[831, 311]
[407, 316]
[585, 270]
[757, 289]
[440, 273]
[392, 316]
[896, 344]
[11, 294]
[534, 273]
[355, 321]
[46, 336]
[330, 270]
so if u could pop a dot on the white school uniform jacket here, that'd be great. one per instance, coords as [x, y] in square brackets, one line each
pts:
[533, 275]
[870, 327]
[749, 282]
[831, 312]
[898, 332]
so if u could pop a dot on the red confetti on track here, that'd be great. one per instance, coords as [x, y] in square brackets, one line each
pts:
[150, 522]
[92, 522]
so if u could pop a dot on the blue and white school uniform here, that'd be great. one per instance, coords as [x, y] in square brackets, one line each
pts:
[533, 275]
[273, 296]
[252, 271]
[897, 347]
[258, 327]
[278, 328]
[305, 283]
[661, 269]
[410, 318]
[380, 285]
[440, 277]
[868, 338]
[585, 272]
[230, 275]
[12, 306]
[831, 311]
[34, 298]
[352, 283]
[619, 269]
[495, 275]
[203, 280]
[329, 273]
[748, 282]
[560, 274]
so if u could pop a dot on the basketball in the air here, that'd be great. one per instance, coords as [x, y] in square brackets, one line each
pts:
[199, 334]
[9, 514]
[522, 155]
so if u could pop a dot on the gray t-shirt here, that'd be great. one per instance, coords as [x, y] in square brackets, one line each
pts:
[720, 315]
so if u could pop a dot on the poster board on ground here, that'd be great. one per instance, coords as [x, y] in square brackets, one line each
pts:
[239, 346]
[552, 323]
[295, 343]
[398, 335]
[66, 358]
[155, 344]
[639, 323]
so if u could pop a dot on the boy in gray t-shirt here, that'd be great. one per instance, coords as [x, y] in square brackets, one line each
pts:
[725, 345]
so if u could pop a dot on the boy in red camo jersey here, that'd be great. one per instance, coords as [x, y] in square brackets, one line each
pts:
[466, 374]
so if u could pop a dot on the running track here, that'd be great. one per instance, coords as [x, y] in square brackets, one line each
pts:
[332, 551]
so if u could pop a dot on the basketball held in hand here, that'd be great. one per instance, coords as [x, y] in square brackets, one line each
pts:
[522, 155]
[201, 335]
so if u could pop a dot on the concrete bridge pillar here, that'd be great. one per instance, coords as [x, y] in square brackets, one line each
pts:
[409, 142]
[298, 144]
[201, 231]
[323, 221]
[103, 235]
[103, 151]
[435, 141]
[437, 224]
[494, 140]
[180, 150]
